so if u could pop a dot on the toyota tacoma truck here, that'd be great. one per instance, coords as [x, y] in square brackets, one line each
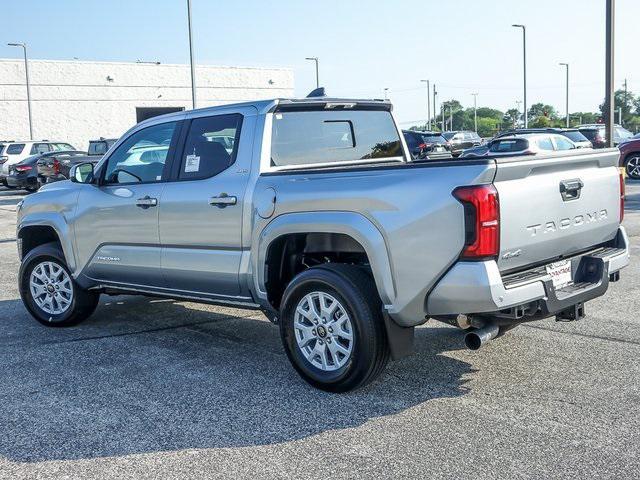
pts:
[313, 211]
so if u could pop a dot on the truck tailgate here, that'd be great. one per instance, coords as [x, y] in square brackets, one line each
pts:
[552, 207]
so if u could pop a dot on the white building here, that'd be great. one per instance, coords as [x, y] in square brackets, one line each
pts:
[76, 101]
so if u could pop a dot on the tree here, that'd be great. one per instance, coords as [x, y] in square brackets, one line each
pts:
[540, 122]
[621, 100]
[511, 117]
[542, 110]
[487, 127]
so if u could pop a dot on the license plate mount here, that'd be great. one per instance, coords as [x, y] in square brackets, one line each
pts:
[560, 273]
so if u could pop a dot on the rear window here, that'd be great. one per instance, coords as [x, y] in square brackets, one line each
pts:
[448, 135]
[512, 145]
[590, 133]
[434, 138]
[575, 136]
[15, 149]
[98, 148]
[321, 137]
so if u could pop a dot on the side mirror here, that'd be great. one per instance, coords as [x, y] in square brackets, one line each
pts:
[81, 173]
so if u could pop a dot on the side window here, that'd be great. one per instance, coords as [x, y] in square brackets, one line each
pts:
[39, 148]
[210, 147]
[545, 143]
[62, 146]
[412, 143]
[142, 156]
[15, 149]
[563, 144]
[324, 137]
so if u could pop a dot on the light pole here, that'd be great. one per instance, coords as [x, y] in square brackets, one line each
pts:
[450, 117]
[475, 112]
[193, 67]
[26, 73]
[609, 75]
[567, 99]
[315, 59]
[524, 62]
[428, 104]
[386, 89]
[435, 115]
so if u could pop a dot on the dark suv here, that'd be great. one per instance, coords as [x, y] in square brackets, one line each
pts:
[596, 134]
[425, 144]
[460, 140]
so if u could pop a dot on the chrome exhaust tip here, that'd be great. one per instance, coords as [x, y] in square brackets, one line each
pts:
[479, 337]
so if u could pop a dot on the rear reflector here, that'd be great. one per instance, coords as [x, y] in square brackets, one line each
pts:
[621, 197]
[482, 221]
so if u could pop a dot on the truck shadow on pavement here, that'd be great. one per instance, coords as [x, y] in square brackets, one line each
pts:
[145, 375]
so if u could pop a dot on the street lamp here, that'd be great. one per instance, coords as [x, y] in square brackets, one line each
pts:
[26, 72]
[386, 89]
[567, 99]
[428, 104]
[315, 59]
[475, 111]
[524, 62]
[193, 68]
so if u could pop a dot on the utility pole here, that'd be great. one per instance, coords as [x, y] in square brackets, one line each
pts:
[475, 112]
[619, 115]
[450, 117]
[26, 73]
[386, 89]
[315, 59]
[193, 67]
[435, 115]
[524, 62]
[609, 80]
[428, 104]
[625, 95]
[567, 99]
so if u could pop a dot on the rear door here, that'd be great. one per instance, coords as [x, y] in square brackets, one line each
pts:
[201, 208]
[555, 206]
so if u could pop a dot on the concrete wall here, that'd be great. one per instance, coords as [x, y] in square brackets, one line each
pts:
[77, 101]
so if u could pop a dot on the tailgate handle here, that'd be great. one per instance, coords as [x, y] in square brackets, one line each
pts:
[570, 189]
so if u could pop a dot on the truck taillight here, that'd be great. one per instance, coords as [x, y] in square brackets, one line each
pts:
[56, 166]
[482, 221]
[621, 197]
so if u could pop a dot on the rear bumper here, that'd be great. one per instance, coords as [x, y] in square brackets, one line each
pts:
[21, 182]
[480, 288]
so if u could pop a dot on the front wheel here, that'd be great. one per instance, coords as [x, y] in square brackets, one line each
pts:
[48, 290]
[332, 328]
[632, 166]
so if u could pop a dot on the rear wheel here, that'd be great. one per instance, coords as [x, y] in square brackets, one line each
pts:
[632, 165]
[332, 328]
[48, 290]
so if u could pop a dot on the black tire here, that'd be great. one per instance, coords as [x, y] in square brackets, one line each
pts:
[632, 165]
[83, 302]
[356, 292]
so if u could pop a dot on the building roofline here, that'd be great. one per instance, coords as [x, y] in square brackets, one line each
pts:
[99, 62]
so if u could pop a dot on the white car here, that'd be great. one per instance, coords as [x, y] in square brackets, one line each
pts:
[14, 152]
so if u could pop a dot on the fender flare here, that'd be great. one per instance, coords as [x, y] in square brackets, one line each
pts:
[57, 222]
[352, 224]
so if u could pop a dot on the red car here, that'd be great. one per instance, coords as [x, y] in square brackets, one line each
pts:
[630, 157]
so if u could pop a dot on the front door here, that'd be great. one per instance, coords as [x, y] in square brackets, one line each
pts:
[201, 208]
[117, 222]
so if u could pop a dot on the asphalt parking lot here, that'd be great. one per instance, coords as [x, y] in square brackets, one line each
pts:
[152, 388]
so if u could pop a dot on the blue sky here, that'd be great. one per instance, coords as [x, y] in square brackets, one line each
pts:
[464, 46]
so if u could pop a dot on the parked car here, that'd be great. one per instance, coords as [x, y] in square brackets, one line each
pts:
[460, 139]
[630, 157]
[595, 133]
[53, 169]
[572, 134]
[324, 221]
[15, 152]
[521, 144]
[25, 175]
[426, 144]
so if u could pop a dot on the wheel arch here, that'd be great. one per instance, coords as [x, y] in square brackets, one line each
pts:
[350, 232]
[32, 232]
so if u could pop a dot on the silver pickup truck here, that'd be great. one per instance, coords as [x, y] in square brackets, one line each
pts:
[313, 211]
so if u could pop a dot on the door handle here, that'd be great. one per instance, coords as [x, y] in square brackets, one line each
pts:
[570, 189]
[223, 200]
[146, 202]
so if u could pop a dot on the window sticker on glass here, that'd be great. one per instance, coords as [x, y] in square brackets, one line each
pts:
[192, 163]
